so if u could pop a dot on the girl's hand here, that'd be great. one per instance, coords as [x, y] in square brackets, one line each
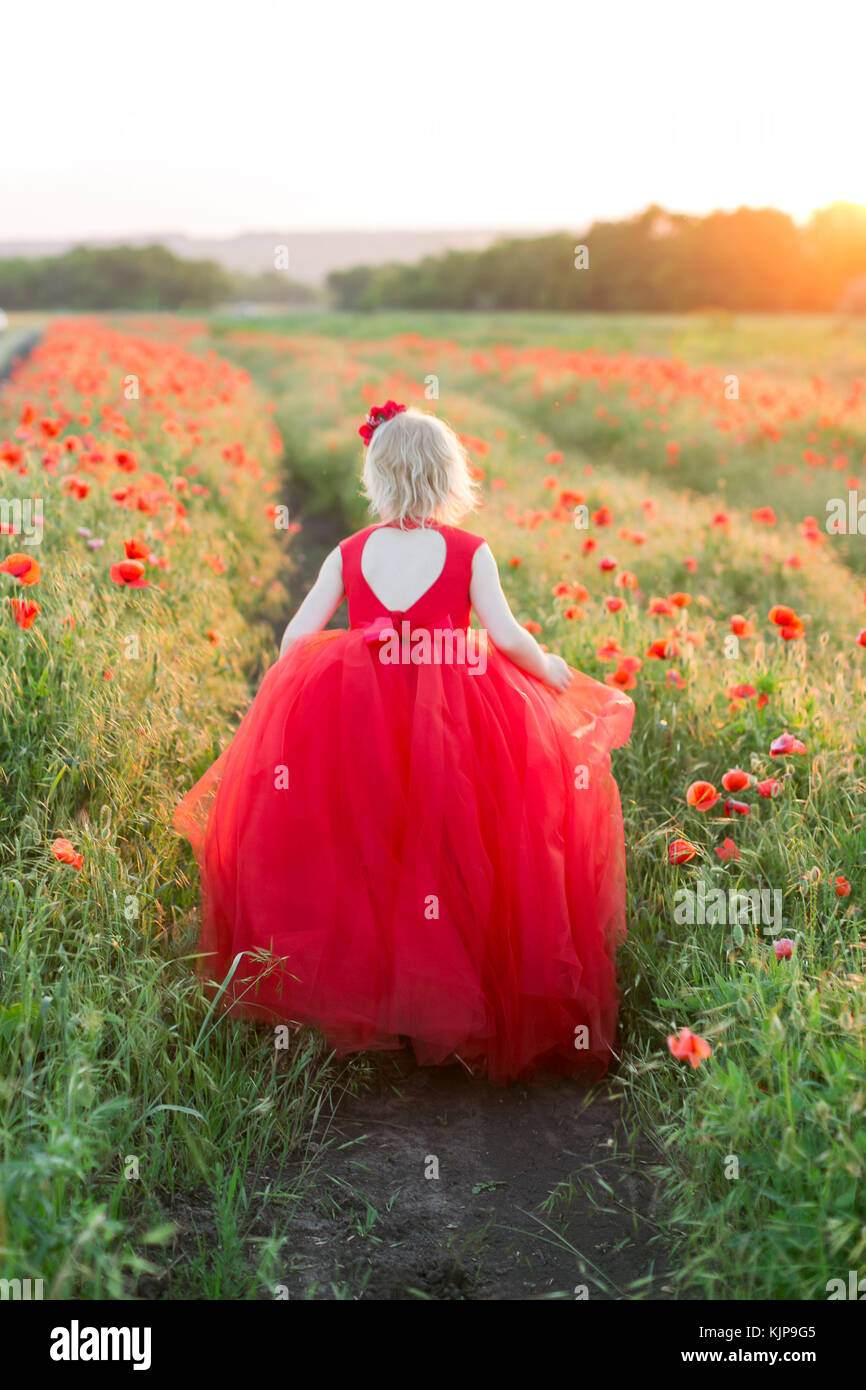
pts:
[557, 672]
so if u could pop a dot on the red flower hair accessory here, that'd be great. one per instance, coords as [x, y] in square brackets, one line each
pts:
[378, 413]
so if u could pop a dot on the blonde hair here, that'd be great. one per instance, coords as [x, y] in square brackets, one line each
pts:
[416, 469]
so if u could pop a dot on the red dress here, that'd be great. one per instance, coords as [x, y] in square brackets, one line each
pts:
[429, 851]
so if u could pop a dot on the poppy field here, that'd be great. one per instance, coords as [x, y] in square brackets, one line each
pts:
[674, 505]
[663, 524]
[137, 576]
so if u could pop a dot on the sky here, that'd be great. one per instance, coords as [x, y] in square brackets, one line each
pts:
[212, 119]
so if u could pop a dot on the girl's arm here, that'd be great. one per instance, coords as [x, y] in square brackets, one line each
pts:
[491, 605]
[321, 602]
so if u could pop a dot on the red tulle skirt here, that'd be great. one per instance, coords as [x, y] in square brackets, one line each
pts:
[417, 852]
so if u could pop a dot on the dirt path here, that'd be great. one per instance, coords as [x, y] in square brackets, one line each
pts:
[15, 345]
[437, 1185]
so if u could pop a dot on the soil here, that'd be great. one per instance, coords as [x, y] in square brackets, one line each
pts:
[15, 347]
[437, 1185]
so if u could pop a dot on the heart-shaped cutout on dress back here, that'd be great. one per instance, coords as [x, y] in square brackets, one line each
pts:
[400, 566]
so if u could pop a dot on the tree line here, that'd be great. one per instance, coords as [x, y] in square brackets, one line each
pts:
[754, 259]
[136, 277]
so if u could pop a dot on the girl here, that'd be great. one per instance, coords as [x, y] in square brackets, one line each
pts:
[415, 833]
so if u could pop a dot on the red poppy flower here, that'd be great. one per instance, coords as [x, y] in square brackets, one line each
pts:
[25, 612]
[607, 563]
[662, 649]
[660, 607]
[861, 637]
[136, 549]
[130, 574]
[11, 454]
[609, 650]
[739, 808]
[151, 502]
[23, 568]
[782, 615]
[742, 626]
[65, 853]
[674, 678]
[626, 580]
[614, 604]
[76, 487]
[735, 780]
[842, 887]
[680, 852]
[681, 600]
[790, 626]
[727, 849]
[688, 1046]
[741, 692]
[631, 663]
[786, 743]
[769, 788]
[575, 591]
[622, 678]
[702, 795]
[783, 948]
[602, 517]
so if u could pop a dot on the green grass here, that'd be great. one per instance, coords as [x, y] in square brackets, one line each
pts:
[792, 344]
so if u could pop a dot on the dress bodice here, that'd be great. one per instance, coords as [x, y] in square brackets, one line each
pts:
[445, 602]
